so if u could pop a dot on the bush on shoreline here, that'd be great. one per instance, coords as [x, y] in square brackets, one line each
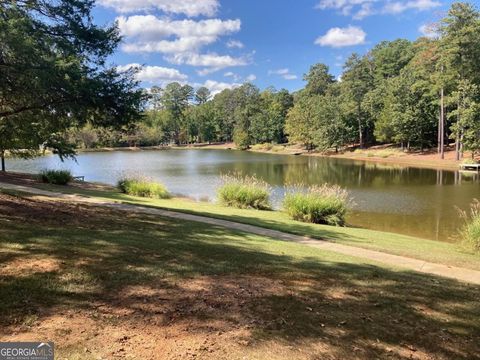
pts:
[323, 204]
[244, 192]
[470, 232]
[56, 177]
[143, 188]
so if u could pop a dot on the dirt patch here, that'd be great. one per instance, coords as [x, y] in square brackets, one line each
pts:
[423, 159]
[33, 180]
[183, 321]
[201, 318]
[22, 268]
[55, 212]
[19, 178]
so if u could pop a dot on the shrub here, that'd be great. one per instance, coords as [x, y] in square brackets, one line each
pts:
[323, 204]
[470, 162]
[57, 177]
[470, 232]
[241, 139]
[143, 188]
[262, 147]
[244, 192]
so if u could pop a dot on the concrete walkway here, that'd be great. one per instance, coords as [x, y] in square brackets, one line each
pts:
[462, 274]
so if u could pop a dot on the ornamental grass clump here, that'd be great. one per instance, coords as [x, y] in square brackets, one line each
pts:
[244, 192]
[143, 187]
[470, 232]
[324, 204]
[56, 177]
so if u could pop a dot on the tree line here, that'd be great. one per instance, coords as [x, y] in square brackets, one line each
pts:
[421, 94]
[57, 92]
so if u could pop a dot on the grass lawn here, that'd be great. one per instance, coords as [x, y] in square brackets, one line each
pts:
[428, 250]
[107, 284]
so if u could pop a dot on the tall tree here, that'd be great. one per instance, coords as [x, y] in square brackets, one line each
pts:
[318, 79]
[357, 81]
[54, 77]
[176, 99]
[202, 95]
[302, 119]
[460, 51]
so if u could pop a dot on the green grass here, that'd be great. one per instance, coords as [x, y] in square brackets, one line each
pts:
[143, 188]
[470, 233]
[318, 204]
[397, 244]
[244, 192]
[56, 177]
[285, 294]
[470, 161]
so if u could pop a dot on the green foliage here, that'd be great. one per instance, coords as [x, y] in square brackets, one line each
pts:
[55, 78]
[241, 139]
[202, 95]
[318, 79]
[318, 204]
[469, 161]
[244, 192]
[301, 120]
[470, 233]
[56, 177]
[143, 188]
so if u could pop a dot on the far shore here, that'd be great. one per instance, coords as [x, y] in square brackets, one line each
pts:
[383, 154]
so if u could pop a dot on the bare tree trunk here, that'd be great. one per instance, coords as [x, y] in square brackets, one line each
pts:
[442, 125]
[457, 147]
[2, 156]
[360, 130]
[458, 137]
[439, 131]
[461, 144]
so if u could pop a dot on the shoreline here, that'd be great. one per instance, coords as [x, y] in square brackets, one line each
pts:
[426, 160]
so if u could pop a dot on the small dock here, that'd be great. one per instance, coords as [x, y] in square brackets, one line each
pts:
[470, 167]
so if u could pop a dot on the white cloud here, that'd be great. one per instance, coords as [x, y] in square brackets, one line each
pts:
[290, 77]
[341, 37]
[155, 74]
[428, 30]
[211, 62]
[147, 33]
[251, 77]
[216, 87]
[401, 6]
[365, 10]
[231, 44]
[180, 40]
[284, 73]
[188, 7]
[360, 9]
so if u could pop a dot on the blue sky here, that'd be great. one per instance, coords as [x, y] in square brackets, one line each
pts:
[223, 43]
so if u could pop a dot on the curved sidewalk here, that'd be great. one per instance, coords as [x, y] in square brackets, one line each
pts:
[457, 273]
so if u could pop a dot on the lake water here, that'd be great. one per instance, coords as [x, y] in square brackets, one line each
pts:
[412, 201]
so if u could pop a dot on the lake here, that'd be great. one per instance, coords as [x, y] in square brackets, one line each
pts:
[412, 201]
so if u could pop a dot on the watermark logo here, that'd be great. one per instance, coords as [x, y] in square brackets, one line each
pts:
[26, 350]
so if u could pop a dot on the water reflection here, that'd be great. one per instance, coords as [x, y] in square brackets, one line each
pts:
[394, 198]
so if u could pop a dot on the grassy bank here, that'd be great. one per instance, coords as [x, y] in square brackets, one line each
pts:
[428, 250]
[103, 284]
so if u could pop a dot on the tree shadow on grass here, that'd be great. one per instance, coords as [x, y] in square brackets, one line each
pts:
[163, 271]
